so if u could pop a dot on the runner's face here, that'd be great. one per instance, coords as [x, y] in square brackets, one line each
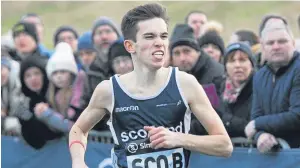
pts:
[152, 42]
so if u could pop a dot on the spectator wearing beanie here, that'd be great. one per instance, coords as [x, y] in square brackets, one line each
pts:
[35, 19]
[104, 33]
[63, 90]
[240, 66]
[86, 50]
[188, 57]
[69, 35]
[119, 63]
[26, 41]
[212, 43]
[119, 58]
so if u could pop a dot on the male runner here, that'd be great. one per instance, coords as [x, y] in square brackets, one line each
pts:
[151, 106]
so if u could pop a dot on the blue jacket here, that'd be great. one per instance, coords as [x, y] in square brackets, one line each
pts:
[45, 51]
[276, 101]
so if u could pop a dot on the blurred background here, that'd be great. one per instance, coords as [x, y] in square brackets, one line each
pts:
[233, 15]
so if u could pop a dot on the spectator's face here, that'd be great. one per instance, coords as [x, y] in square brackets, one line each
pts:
[38, 24]
[4, 75]
[213, 51]
[196, 21]
[104, 36]
[238, 66]
[33, 78]
[151, 42]
[87, 56]
[62, 79]
[122, 65]
[25, 43]
[69, 38]
[184, 57]
[278, 46]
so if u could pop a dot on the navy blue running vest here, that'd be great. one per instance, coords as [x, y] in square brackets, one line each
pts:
[130, 114]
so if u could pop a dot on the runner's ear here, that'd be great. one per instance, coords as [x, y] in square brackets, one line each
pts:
[129, 46]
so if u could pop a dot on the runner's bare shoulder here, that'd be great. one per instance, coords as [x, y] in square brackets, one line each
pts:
[102, 95]
[187, 83]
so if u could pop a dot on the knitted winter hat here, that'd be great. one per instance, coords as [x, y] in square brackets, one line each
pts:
[25, 27]
[242, 47]
[85, 42]
[212, 37]
[62, 59]
[183, 34]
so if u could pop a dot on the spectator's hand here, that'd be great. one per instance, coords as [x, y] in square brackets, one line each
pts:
[265, 142]
[161, 137]
[40, 108]
[250, 129]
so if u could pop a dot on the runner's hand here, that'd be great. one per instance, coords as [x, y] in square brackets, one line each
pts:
[161, 137]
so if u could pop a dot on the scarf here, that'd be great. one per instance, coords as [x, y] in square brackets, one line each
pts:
[232, 92]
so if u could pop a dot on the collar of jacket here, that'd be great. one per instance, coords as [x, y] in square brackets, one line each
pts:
[201, 63]
[283, 69]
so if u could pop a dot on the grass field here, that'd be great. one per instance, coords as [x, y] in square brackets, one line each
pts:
[233, 15]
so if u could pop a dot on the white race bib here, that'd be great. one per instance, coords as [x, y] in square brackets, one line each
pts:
[173, 158]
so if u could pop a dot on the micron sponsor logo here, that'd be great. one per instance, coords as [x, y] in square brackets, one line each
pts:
[129, 108]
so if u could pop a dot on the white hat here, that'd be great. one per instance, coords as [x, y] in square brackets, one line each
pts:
[62, 59]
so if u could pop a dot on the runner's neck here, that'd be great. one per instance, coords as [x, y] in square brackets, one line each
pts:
[144, 77]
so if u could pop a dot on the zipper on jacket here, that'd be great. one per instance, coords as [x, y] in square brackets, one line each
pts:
[273, 86]
[274, 79]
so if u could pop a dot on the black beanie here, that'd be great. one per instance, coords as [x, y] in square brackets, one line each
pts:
[63, 29]
[25, 27]
[242, 47]
[117, 49]
[183, 34]
[212, 37]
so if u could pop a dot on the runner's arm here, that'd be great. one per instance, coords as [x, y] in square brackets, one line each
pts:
[217, 142]
[87, 120]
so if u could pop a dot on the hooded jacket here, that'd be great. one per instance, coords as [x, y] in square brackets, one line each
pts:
[35, 132]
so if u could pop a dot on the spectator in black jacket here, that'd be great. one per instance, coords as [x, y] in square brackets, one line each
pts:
[240, 65]
[34, 83]
[186, 55]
